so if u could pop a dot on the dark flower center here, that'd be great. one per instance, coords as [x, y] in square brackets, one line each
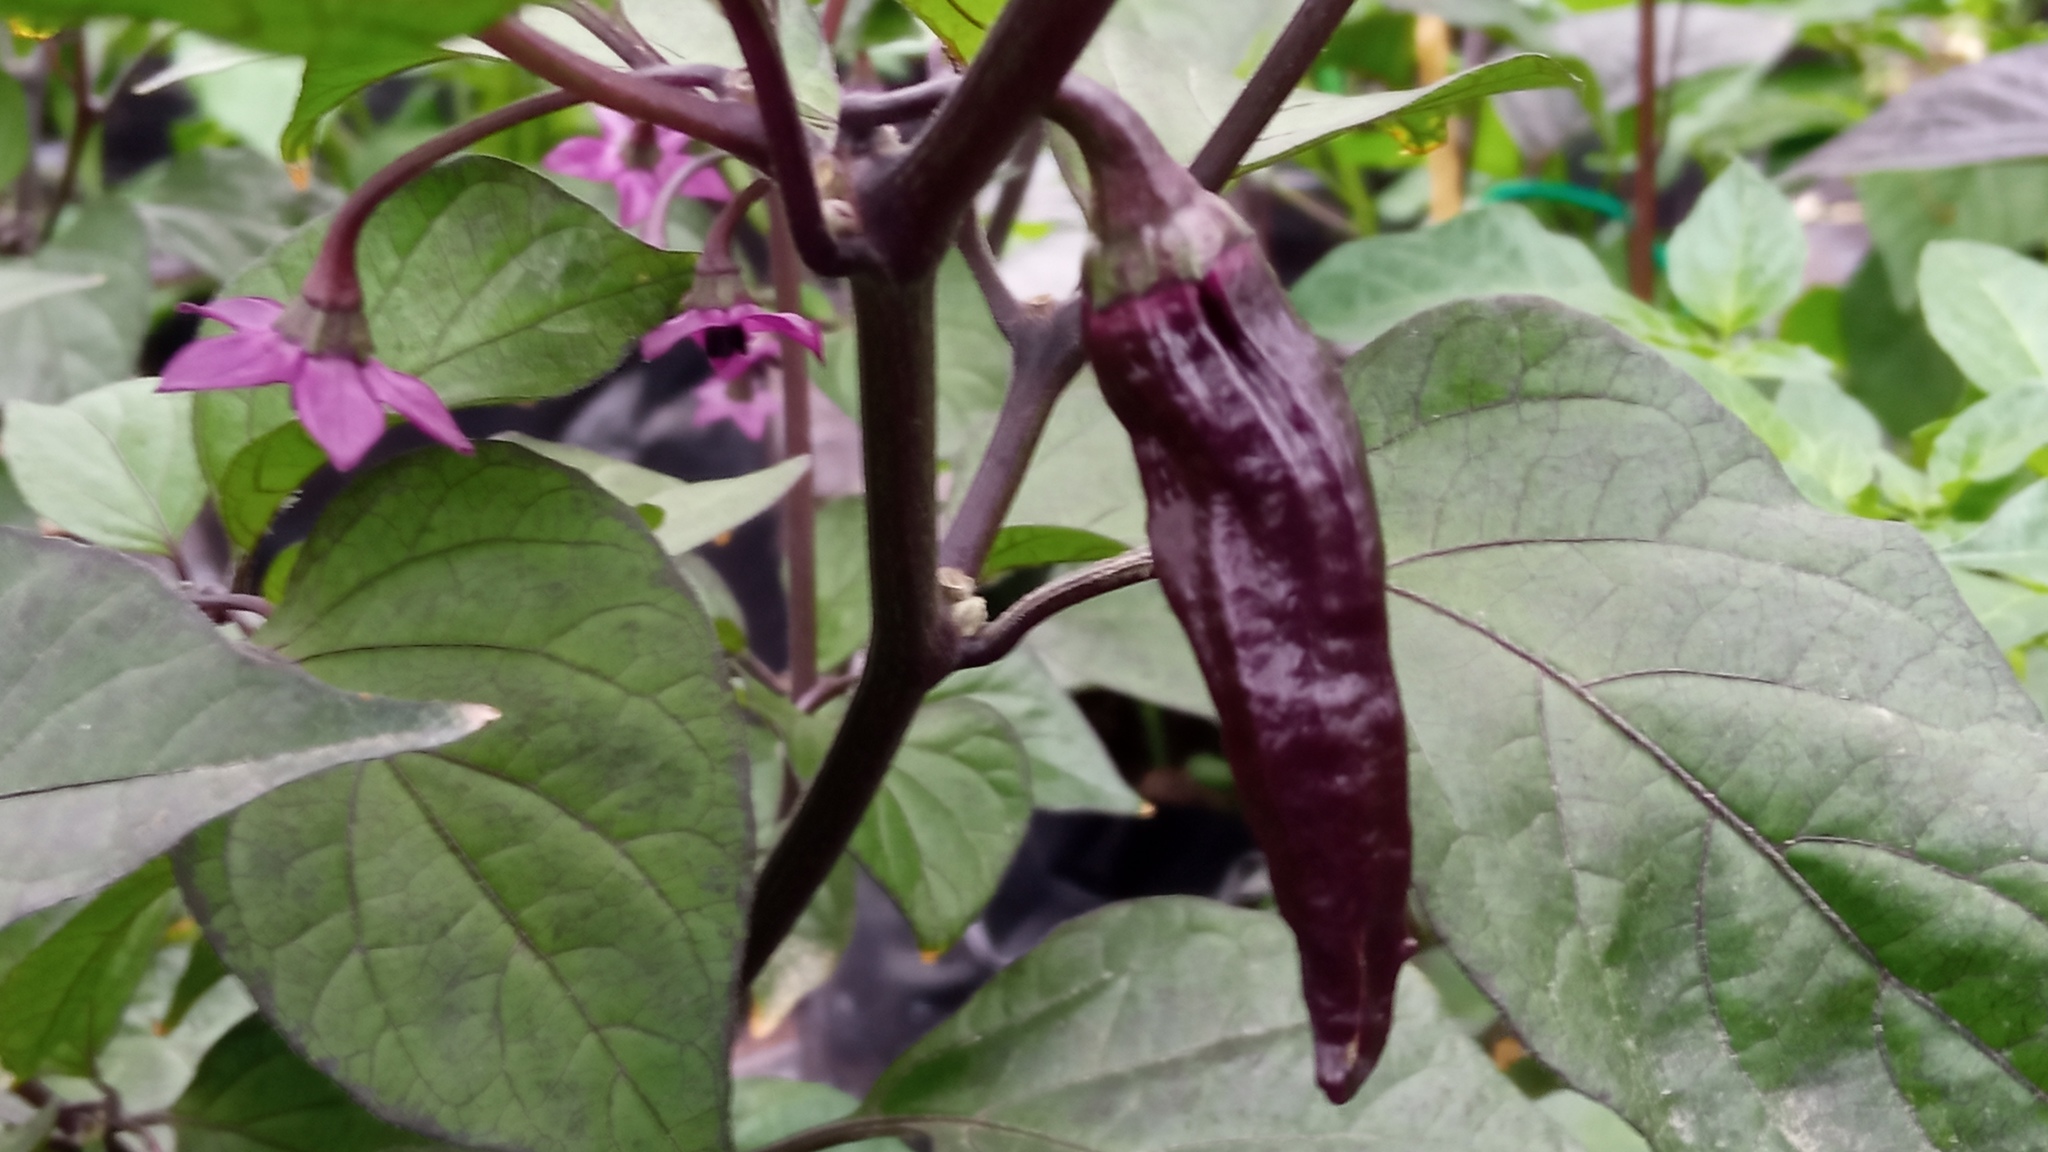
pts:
[721, 342]
[642, 151]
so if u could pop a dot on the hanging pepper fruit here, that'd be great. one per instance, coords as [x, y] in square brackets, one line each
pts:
[1266, 539]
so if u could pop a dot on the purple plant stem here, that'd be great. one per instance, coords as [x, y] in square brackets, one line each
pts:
[1282, 69]
[788, 141]
[1642, 232]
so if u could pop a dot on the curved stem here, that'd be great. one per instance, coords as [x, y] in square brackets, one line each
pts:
[85, 119]
[788, 141]
[730, 125]
[981, 261]
[625, 42]
[799, 506]
[654, 229]
[716, 258]
[866, 111]
[995, 641]
[1282, 69]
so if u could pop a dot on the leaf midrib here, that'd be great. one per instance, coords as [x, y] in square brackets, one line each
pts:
[1707, 798]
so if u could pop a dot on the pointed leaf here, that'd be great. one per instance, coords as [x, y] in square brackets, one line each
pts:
[126, 721]
[529, 939]
[690, 513]
[1177, 1024]
[951, 813]
[1726, 800]
[61, 1004]
[1039, 545]
[114, 466]
[1739, 256]
[1988, 308]
[1990, 110]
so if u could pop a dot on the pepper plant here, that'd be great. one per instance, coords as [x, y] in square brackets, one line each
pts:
[1591, 668]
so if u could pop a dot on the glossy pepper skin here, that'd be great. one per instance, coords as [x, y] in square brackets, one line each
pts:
[1266, 539]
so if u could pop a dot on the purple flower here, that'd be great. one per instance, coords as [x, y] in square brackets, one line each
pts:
[734, 338]
[339, 398]
[635, 158]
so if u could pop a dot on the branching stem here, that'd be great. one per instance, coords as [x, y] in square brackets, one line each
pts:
[996, 640]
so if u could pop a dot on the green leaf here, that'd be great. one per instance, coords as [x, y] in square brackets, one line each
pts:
[1690, 754]
[29, 1135]
[950, 814]
[1988, 308]
[293, 27]
[1310, 117]
[22, 285]
[1365, 287]
[529, 939]
[692, 514]
[1177, 1024]
[131, 721]
[812, 72]
[72, 340]
[203, 970]
[221, 209]
[2014, 614]
[1739, 256]
[843, 610]
[962, 24]
[252, 1093]
[687, 31]
[2014, 542]
[1995, 203]
[1128, 642]
[1070, 769]
[63, 1002]
[14, 511]
[1991, 439]
[1038, 545]
[1894, 367]
[1082, 475]
[481, 278]
[1839, 441]
[332, 79]
[764, 1111]
[115, 466]
[14, 128]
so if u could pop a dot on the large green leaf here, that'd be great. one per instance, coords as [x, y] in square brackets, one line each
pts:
[1988, 308]
[331, 80]
[294, 27]
[844, 615]
[2014, 542]
[529, 939]
[481, 278]
[252, 1093]
[126, 721]
[1177, 1024]
[67, 342]
[1070, 769]
[114, 466]
[1726, 800]
[61, 1004]
[1365, 287]
[951, 813]
[764, 1111]
[1739, 255]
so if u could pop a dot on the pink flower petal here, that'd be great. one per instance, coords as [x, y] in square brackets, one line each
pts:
[677, 329]
[636, 195]
[707, 184]
[669, 142]
[334, 403]
[413, 399]
[238, 312]
[243, 360]
[804, 332]
[750, 416]
[586, 158]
